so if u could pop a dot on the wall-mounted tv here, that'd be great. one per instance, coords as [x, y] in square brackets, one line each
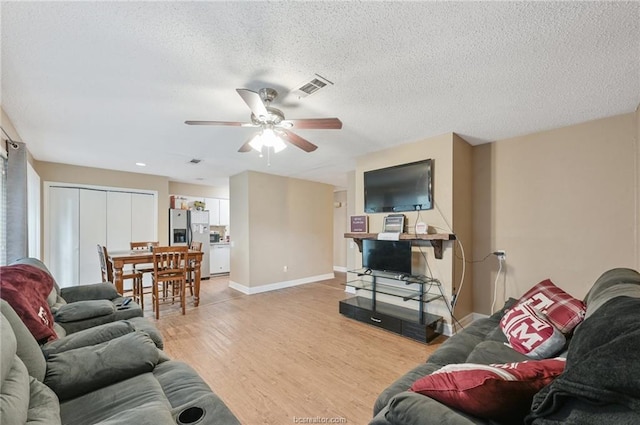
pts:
[406, 187]
[387, 256]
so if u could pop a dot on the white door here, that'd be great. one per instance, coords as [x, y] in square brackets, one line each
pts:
[64, 234]
[143, 209]
[118, 221]
[93, 232]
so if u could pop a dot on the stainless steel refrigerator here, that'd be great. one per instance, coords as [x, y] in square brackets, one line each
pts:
[186, 226]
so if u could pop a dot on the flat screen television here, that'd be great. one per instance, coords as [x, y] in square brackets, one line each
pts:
[387, 256]
[406, 187]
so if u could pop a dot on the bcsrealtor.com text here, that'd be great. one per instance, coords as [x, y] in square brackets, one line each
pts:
[319, 420]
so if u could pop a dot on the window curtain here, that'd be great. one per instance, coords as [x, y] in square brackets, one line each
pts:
[3, 204]
[16, 202]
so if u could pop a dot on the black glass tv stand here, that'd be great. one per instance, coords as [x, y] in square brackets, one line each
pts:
[416, 324]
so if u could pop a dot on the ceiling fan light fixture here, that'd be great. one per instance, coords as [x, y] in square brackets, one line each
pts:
[256, 142]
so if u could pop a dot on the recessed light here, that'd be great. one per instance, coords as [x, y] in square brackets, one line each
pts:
[141, 164]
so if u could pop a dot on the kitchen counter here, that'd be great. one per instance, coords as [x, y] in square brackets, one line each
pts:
[218, 243]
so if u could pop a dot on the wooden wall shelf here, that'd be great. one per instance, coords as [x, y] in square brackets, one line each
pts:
[435, 239]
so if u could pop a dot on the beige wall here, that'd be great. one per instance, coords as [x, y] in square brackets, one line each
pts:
[288, 223]
[463, 224]
[198, 191]
[561, 203]
[339, 228]
[64, 173]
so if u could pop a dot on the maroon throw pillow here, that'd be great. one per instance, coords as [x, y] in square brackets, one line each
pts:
[530, 334]
[496, 391]
[26, 289]
[560, 309]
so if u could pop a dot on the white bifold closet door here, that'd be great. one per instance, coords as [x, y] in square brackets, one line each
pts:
[82, 218]
[93, 231]
[64, 235]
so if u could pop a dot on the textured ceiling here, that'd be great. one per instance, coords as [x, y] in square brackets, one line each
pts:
[108, 84]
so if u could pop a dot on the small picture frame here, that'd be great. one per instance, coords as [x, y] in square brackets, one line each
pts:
[359, 224]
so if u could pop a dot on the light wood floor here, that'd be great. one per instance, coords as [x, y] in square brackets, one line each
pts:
[287, 354]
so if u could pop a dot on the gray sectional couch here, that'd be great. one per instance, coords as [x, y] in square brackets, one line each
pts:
[600, 384]
[112, 373]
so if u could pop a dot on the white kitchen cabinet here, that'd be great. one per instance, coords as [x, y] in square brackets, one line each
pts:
[218, 211]
[213, 205]
[224, 212]
[220, 258]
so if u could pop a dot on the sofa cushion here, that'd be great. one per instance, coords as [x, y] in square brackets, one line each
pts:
[74, 372]
[560, 309]
[27, 348]
[488, 352]
[83, 310]
[119, 397]
[26, 289]
[497, 391]
[530, 334]
[14, 393]
[92, 291]
[88, 337]
[44, 407]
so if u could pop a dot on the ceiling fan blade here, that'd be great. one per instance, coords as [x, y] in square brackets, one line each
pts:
[315, 123]
[231, 123]
[298, 141]
[246, 147]
[254, 102]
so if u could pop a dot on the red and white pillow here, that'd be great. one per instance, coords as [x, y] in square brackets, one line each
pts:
[536, 325]
[561, 309]
[530, 334]
[497, 391]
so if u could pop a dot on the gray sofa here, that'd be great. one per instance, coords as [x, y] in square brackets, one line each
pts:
[110, 374]
[84, 306]
[600, 383]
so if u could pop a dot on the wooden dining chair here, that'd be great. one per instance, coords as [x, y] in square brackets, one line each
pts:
[169, 276]
[191, 267]
[143, 268]
[106, 270]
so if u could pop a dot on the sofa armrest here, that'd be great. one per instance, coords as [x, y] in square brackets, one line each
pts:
[82, 370]
[94, 291]
[88, 337]
[83, 310]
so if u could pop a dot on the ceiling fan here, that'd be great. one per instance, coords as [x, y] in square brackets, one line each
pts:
[275, 129]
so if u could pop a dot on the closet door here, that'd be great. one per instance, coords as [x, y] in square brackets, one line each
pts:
[93, 231]
[118, 221]
[143, 213]
[64, 234]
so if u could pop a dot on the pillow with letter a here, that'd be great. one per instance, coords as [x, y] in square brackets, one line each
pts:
[499, 391]
[559, 308]
[530, 334]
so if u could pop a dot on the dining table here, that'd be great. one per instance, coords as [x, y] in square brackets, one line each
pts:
[120, 259]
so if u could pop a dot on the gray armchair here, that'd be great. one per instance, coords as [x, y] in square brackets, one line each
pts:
[85, 306]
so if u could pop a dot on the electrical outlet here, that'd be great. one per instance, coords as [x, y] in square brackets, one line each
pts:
[501, 254]
[285, 269]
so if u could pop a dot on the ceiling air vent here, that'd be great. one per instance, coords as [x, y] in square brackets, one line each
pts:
[309, 87]
[195, 161]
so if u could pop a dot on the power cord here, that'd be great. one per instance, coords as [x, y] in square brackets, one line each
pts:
[501, 259]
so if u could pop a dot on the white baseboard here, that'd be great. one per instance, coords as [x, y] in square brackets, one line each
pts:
[466, 320]
[250, 290]
[339, 269]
